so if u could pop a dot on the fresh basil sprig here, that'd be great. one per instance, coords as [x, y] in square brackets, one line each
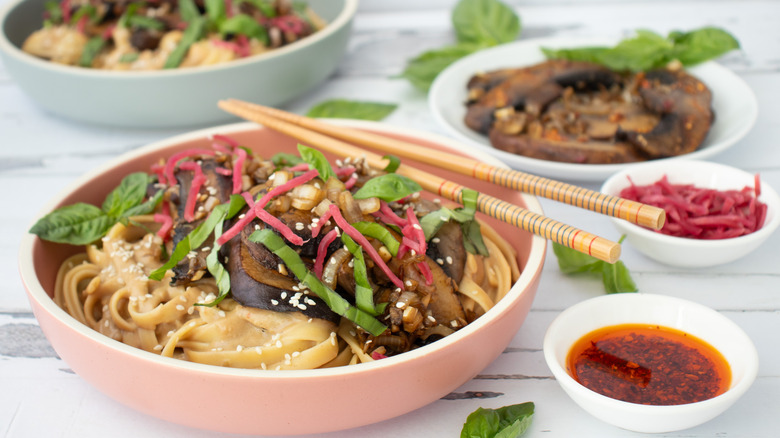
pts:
[616, 277]
[81, 223]
[389, 187]
[506, 422]
[648, 50]
[350, 109]
[472, 234]
[335, 302]
[478, 24]
[316, 160]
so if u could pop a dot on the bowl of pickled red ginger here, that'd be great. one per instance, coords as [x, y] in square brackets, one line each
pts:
[715, 214]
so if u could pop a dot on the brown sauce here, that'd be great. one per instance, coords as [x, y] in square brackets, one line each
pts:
[648, 364]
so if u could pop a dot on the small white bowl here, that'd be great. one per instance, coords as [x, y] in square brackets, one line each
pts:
[689, 317]
[685, 252]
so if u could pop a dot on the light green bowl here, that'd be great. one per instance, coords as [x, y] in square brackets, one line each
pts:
[172, 98]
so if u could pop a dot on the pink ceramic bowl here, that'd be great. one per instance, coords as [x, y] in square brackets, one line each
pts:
[274, 402]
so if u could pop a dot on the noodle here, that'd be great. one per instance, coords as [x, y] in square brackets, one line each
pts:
[108, 289]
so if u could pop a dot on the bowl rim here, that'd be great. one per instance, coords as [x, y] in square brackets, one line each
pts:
[736, 390]
[35, 290]
[768, 196]
[345, 15]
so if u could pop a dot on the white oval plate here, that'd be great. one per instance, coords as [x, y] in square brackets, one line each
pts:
[734, 103]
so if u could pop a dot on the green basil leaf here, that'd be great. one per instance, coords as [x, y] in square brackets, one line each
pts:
[91, 49]
[188, 10]
[144, 22]
[285, 160]
[335, 302]
[316, 160]
[264, 6]
[350, 109]
[145, 208]
[506, 422]
[76, 224]
[393, 164]
[472, 234]
[648, 50]
[124, 20]
[243, 24]
[192, 34]
[388, 187]
[488, 22]
[472, 238]
[616, 278]
[85, 10]
[130, 192]
[423, 69]
[701, 45]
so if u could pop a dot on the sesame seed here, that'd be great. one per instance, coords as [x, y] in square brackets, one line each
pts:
[221, 313]
[408, 283]
[158, 347]
[449, 260]
[263, 366]
[179, 307]
[284, 295]
[259, 350]
[435, 240]
[440, 261]
[302, 306]
[274, 302]
[299, 226]
[239, 347]
[416, 227]
[431, 318]
[454, 323]
[296, 353]
[278, 344]
[241, 216]
[400, 304]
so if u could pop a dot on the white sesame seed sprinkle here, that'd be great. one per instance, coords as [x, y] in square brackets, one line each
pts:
[274, 302]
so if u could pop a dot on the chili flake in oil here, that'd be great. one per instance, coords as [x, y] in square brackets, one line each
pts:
[651, 365]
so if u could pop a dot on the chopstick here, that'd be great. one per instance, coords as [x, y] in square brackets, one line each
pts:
[632, 211]
[535, 223]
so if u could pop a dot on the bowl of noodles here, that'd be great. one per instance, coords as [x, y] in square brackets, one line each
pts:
[294, 295]
[161, 64]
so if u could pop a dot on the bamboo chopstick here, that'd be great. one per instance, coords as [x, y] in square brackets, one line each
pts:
[550, 229]
[632, 211]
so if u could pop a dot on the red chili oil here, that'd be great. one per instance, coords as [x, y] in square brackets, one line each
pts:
[648, 364]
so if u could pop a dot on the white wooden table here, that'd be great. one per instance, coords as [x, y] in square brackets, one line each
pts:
[39, 153]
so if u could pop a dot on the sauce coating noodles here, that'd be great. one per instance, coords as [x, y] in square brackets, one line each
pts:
[107, 288]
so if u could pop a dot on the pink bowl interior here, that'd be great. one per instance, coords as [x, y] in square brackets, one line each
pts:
[274, 402]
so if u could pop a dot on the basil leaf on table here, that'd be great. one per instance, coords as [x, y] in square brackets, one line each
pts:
[478, 24]
[506, 422]
[350, 109]
[615, 276]
[485, 22]
[648, 50]
[389, 187]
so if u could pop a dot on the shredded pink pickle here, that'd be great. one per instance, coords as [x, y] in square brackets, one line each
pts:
[376, 356]
[192, 197]
[170, 165]
[260, 205]
[65, 6]
[167, 223]
[700, 213]
[81, 26]
[237, 170]
[322, 251]
[362, 241]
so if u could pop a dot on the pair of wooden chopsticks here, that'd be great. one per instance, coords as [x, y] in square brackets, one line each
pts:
[326, 136]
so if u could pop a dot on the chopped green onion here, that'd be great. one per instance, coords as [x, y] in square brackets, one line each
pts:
[364, 293]
[91, 50]
[199, 235]
[335, 302]
[377, 231]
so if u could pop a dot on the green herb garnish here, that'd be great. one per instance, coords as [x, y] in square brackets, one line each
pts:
[389, 187]
[243, 24]
[364, 293]
[648, 50]
[316, 160]
[616, 277]
[86, 10]
[128, 58]
[144, 22]
[506, 422]
[188, 10]
[220, 274]
[192, 34]
[350, 109]
[91, 49]
[472, 234]
[285, 160]
[335, 302]
[81, 223]
[54, 12]
[380, 233]
[478, 24]
[393, 163]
